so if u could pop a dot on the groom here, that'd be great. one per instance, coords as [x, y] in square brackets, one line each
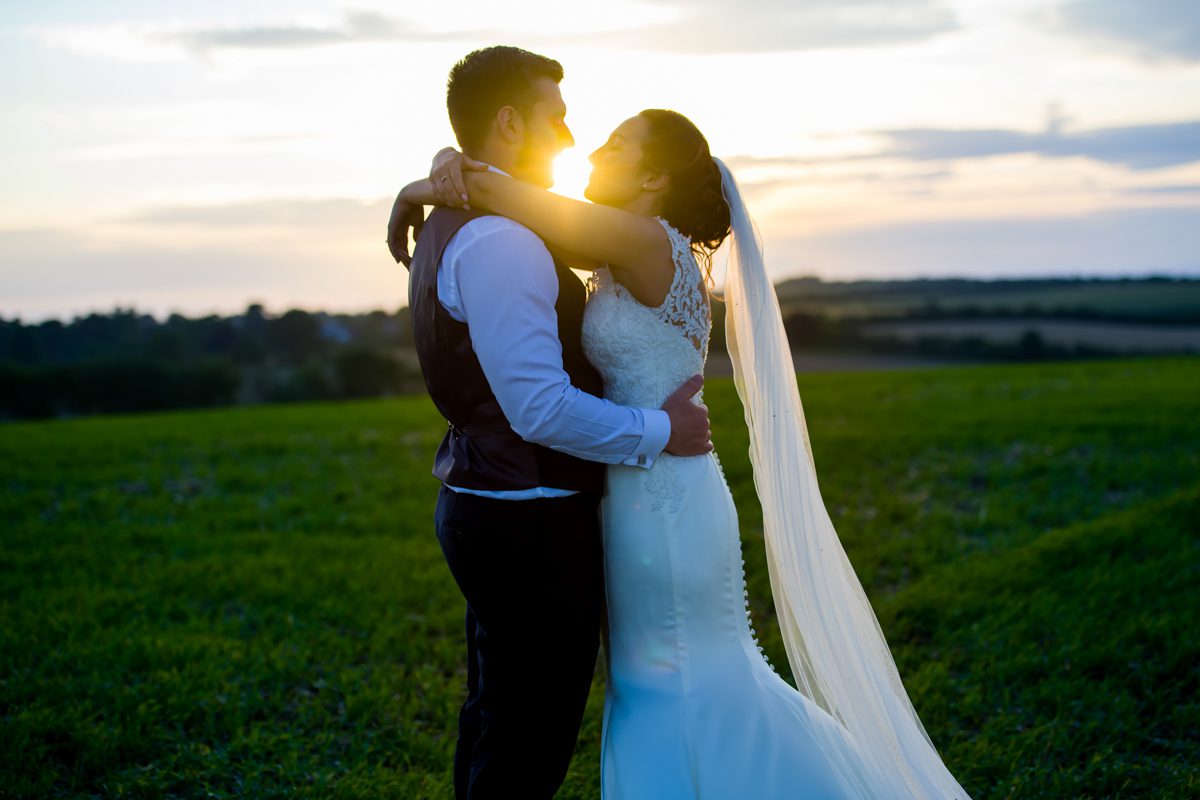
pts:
[497, 324]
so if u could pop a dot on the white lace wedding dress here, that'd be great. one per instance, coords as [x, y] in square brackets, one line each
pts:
[693, 709]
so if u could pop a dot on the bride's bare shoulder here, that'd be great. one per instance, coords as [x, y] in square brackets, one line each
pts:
[650, 280]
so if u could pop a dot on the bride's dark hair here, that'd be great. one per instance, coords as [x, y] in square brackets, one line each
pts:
[693, 204]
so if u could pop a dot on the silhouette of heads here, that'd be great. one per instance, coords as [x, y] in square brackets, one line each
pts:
[505, 106]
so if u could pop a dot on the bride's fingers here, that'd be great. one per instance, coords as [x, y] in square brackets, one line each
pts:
[452, 188]
[444, 190]
[460, 187]
[398, 246]
[399, 251]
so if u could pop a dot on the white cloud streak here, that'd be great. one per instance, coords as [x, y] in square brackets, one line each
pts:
[1154, 31]
[704, 27]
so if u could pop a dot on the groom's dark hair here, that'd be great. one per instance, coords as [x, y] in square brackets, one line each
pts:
[487, 80]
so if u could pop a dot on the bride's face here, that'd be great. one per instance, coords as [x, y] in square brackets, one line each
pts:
[618, 174]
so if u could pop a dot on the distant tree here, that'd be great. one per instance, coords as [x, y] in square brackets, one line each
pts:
[211, 382]
[120, 384]
[53, 338]
[217, 336]
[24, 392]
[22, 344]
[167, 345]
[367, 372]
[254, 320]
[716, 343]
[309, 381]
[296, 336]
[1031, 345]
[804, 330]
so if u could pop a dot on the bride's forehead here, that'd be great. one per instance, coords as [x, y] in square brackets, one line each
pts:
[632, 128]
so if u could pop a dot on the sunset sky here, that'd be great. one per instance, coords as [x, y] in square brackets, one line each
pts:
[198, 157]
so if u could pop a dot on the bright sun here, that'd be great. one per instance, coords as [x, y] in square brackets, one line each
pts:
[571, 171]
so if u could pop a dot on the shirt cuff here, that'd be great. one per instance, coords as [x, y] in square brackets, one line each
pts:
[656, 431]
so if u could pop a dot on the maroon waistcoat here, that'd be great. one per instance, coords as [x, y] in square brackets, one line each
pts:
[480, 449]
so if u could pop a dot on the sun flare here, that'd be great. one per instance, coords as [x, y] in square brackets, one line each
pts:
[571, 172]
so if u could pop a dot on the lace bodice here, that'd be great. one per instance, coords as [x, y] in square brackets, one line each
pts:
[645, 353]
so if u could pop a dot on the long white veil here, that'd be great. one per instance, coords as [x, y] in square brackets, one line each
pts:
[837, 652]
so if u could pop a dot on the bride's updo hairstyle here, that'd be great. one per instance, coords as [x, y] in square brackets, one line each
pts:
[693, 204]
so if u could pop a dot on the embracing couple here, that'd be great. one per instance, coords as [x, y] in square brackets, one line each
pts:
[581, 492]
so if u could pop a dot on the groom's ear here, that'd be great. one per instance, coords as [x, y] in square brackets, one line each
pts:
[510, 125]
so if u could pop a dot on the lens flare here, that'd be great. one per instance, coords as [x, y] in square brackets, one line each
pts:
[571, 171]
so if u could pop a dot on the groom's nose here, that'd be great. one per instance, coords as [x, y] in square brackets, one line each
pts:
[565, 137]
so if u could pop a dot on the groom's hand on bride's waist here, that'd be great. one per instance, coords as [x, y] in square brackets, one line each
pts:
[690, 431]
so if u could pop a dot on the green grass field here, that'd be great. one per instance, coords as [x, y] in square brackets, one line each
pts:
[251, 602]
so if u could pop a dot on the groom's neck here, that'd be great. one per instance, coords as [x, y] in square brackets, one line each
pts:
[497, 157]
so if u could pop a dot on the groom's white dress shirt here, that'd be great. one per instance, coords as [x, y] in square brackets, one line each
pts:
[497, 276]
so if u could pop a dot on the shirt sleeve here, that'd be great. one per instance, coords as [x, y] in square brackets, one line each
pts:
[507, 287]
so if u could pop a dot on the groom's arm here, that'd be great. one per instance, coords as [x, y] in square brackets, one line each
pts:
[507, 289]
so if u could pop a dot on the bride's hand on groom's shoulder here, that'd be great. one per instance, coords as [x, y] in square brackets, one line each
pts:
[405, 216]
[691, 434]
[446, 174]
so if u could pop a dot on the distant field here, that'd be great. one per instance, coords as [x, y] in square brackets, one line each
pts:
[250, 602]
[720, 366]
[1151, 299]
[1119, 337]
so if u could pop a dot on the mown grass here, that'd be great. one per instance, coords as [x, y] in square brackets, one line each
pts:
[251, 602]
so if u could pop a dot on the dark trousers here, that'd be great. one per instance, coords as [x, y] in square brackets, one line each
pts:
[532, 574]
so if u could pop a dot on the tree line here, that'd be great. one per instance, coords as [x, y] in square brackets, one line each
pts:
[124, 361]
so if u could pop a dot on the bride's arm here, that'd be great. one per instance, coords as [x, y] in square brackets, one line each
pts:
[576, 261]
[635, 246]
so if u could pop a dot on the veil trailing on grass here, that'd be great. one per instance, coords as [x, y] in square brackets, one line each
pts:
[836, 650]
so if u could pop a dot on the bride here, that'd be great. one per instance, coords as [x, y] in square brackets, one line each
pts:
[692, 708]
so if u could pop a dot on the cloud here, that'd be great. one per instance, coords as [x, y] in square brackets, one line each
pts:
[287, 213]
[1166, 189]
[1128, 241]
[356, 26]
[699, 26]
[720, 26]
[1139, 147]
[1136, 146]
[56, 272]
[162, 41]
[1150, 30]
[908, 184]
[771, 162]
[186, 147]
